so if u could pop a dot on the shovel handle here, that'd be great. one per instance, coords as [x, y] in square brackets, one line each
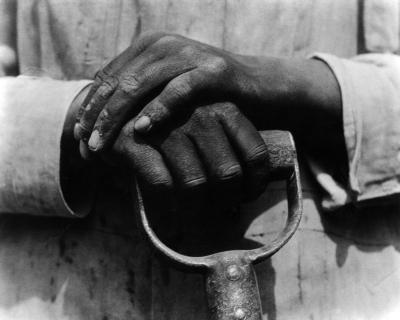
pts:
[232, 289]
[231, 283]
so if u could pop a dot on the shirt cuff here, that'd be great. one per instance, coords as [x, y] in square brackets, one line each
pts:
[32, 114]
[370, 89]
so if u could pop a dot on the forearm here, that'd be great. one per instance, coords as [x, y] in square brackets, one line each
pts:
[299, 95]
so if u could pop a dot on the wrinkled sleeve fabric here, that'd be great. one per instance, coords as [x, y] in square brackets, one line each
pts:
[370, 89]
[32, 115]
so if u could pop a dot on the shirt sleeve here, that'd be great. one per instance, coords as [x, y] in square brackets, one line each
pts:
[32, 115]
[370, 90]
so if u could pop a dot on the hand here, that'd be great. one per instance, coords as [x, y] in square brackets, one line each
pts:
[158, 76]
[162, 76]
[217, 152]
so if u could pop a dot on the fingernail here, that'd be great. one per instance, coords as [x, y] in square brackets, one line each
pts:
[143, 124]
[77, 131]
[84, 151]
[94, 140]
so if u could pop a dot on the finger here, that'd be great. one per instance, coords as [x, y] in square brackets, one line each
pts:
[137, 47]
[89, 113]
[108, 83]
[137, 84]
[84, 151]
[176, 94]
[185, 166]
[250, 148]
[219, 160]
[149, 167]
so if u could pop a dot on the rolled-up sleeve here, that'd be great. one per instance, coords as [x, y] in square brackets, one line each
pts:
[32, 115]
[370, 89]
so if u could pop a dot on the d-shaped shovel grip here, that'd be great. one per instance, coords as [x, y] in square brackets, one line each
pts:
[231, 283]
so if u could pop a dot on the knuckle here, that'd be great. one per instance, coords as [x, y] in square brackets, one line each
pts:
[150, 34]
[217, 65]
[110, 82]
[167, 39]
[198, 114]
[107, 87]
[197, 118]
[128, 129]
[84, 130]
[100, 75]
[104, 115]
[179, 88]
[103, 75]
[257, 154]
[189, 51]
[227, 111]
[228, 107]
[81, 111]
[144, 40]
[130, 84]
[106, 71]
[228, 172]
[194, 184]
[203, 113]
[160, 184]
[202, 120]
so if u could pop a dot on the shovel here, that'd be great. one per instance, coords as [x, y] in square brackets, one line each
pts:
[230, 279]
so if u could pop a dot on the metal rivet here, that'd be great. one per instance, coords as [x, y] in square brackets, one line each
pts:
[240, 314]
[233, 272]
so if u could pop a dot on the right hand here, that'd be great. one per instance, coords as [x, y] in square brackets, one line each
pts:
[216, 154]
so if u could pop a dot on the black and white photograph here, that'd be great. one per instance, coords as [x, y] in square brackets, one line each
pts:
[199, 159]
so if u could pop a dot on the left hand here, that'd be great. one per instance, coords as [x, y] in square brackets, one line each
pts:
[158, 76]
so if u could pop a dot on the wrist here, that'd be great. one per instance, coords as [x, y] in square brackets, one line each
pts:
[319, 110]
[271, 91]
[288, 94]
[298, 95]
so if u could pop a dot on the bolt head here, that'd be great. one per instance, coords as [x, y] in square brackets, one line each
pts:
[233, 272]
[240, 314]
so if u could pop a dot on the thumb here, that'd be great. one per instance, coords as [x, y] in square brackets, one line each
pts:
[167, 104]
[152, 117]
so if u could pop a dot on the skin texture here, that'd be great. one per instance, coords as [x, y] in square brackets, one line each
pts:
[215, 153]
[162, 105]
